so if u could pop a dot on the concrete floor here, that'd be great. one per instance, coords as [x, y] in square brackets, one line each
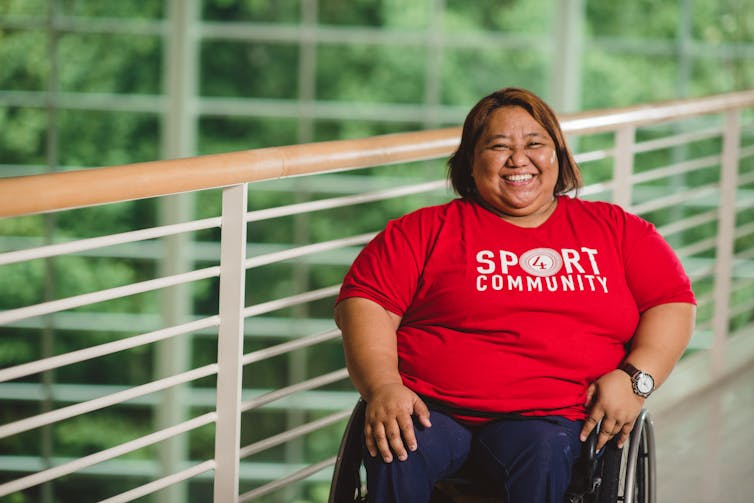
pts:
[705, 446]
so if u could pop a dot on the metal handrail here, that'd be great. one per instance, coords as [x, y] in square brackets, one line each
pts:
[57, 191]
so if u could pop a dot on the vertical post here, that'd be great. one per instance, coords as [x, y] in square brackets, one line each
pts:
[178, 140]
[47, 437]
[624, 166]
[433, 65]
[568, 37]
[230, 343]
[725, 250]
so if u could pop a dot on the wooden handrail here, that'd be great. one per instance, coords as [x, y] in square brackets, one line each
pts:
[56, 191]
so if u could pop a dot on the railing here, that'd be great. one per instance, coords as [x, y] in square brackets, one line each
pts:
[688, 166]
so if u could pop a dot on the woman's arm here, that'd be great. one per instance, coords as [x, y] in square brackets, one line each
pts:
[661, 337]
[371, 350]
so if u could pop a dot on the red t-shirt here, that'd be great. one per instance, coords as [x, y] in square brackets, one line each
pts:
[500, 318]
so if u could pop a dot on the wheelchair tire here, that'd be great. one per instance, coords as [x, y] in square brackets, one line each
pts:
[610, 475]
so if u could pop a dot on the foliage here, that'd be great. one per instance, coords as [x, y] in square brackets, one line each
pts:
[103, 69]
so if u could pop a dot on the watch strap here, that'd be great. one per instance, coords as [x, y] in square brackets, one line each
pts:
[629, 369]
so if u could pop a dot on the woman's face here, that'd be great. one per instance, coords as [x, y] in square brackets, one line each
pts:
[515, 166]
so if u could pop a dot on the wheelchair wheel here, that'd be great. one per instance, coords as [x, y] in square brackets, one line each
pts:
[640, 472]
[628, 474]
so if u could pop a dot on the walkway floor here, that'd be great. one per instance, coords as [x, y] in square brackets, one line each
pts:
[705, 446]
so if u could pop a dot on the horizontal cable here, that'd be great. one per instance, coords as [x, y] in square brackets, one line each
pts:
[688, 223]
[743, 285]
[674, 199]
[703, 273]
[748, 255]
[162, 483]
[89, 24]
[745, 179]
[339, 202]
[103, 241]
[697, 247]
[113, 452]
[678, 140]
[594, 155]
[596, 188]
[284, 481]
[289, 346]
[54, 306]
[744, 230]
[746, 152]
[301, 251]
[293, 433]
[10, 373]
[293, 300]
[279, 393]
[675, 169]
[738, 310]
[78, 409]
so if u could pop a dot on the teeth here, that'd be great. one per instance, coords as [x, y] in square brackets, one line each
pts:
[518, 178]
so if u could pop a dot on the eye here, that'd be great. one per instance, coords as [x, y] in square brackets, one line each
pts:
[499, 146]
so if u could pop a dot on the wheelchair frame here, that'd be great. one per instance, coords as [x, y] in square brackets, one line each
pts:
[626, 475]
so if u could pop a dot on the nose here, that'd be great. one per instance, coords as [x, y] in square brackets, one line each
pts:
[518, 158]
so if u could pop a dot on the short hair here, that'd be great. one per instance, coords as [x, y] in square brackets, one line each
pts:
[462, 160]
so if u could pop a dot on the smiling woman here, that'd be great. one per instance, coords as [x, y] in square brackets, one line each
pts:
[526, 299]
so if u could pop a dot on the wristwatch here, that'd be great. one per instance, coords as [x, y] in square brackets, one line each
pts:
[643, 383]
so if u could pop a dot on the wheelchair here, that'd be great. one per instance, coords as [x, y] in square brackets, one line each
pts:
[626, 475]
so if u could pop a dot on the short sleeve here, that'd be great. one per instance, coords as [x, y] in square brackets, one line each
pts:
[387, 270]
[654, 272]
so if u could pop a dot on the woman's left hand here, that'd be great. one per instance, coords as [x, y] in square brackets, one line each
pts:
[611, 399]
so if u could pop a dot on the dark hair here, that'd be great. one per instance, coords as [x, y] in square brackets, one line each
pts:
[460, 163]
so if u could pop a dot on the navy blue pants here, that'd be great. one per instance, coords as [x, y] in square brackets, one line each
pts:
[531, 459]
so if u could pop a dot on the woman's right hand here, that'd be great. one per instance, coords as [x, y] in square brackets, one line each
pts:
[388, 424]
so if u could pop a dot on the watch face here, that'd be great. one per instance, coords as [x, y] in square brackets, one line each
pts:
[644, 382]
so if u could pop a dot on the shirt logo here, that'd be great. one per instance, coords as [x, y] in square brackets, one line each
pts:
[545, 269]
[541, 262]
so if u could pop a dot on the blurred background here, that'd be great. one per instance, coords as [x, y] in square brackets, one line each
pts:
[89, 83]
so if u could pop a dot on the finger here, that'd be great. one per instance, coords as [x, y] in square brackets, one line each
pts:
[370, 444]
[395, 440]
[381, 442]
[422, 413]
[589, 423]
[625, 433]
[603, 438]
[589, 395]
[407, 432]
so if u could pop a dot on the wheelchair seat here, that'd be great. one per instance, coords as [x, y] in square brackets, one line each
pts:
[626, 475]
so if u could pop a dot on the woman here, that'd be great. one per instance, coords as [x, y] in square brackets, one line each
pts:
[503, 325]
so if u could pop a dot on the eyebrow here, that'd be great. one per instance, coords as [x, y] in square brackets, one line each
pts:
[507, 137]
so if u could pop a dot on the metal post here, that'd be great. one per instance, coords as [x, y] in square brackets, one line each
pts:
[624, 166]
[178, 140]
[230, 343]
[725, 250]
[565, 80]
[47, 440]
